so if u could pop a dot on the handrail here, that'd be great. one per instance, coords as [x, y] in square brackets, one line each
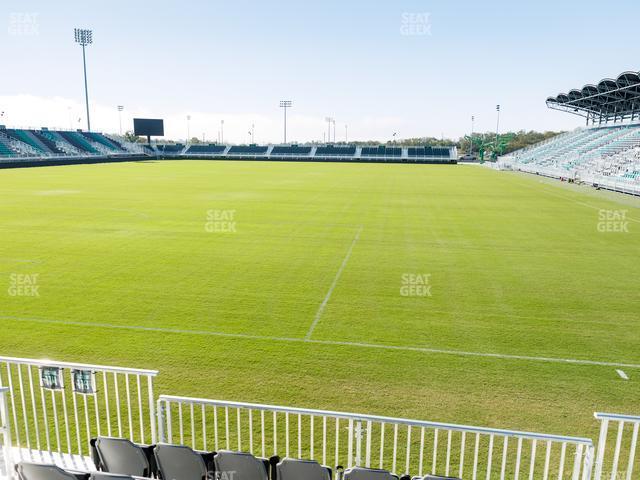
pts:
[79, 366]
[378, 418]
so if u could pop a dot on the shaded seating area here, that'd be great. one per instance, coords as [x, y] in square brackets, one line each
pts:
[428, 151]
[211, 148]
[341, 150]
[248, 150]
[381, 151]
[290, 150]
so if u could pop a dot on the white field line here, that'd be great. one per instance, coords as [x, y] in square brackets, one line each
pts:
[623, 375]
[399, 348]
[322, 306]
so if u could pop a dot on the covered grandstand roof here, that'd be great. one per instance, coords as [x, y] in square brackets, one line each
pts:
[610, 99]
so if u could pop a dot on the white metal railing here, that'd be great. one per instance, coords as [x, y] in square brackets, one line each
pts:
[617, 457]
[6, 461]
[347, 439]
[56, 407]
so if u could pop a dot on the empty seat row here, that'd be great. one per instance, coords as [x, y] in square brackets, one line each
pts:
[428, 151]
[290, 150]
[248, 149]
[210, 148]
[126, 460]
[382, 151]
[348, 150]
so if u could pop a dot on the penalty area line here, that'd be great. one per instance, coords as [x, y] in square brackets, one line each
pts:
[335, 343]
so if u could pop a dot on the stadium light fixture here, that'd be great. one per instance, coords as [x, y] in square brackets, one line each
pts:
[285, 104]
[328, 120]
[84, 37]
[497, 123]
[120, 109]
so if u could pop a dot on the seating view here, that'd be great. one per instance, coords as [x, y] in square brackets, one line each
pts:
[606, 156]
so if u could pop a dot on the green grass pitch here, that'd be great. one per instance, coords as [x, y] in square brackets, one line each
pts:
[132, 269]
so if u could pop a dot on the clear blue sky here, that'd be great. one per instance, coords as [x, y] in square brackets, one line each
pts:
[351, 60]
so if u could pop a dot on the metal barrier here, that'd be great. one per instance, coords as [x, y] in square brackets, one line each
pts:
[56, 407]
[347, 439]
[6, 460]
[617, 461]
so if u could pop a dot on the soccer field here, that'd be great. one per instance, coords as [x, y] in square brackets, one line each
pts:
[449, 293]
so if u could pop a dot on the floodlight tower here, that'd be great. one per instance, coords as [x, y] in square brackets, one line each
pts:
[221, 131]
[333, 120]
[84, 37]
[329, 120]
[285, 104]
[120, 109]
[497, 123]
[188, 121]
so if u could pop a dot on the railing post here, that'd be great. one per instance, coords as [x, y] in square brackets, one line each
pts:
[152, 402]
[602, 441]
[588, 463]
[160, 420]
[5, 429]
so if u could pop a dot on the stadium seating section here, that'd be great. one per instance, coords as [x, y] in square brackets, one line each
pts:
[290, 150]
[121, 459]
[17, 145]
[211, 148]
[48, 143]
[384, 151]
[248, 150]
[597, 155]
[344, 151]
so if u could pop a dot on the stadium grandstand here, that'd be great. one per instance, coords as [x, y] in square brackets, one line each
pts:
[47, 147]
[606, 153]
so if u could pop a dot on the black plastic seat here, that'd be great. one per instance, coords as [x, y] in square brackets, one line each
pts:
[295, 469]
[40, 471]
[120, 455]
[243, 465]
[361, 473]
[178, 462]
